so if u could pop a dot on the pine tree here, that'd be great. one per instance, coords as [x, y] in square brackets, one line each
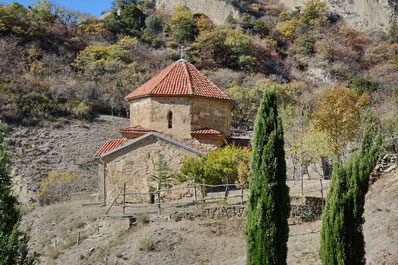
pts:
[342, 239]
[267, 228]
[13, 243]
[162, 176]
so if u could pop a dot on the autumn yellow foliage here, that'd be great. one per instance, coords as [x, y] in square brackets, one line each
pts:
[58, 177]
[180, 14]
[338, 115]
[288, 29]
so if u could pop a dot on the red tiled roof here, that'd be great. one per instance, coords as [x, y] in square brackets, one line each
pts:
[241, 142]
[110, 145]
[207, 131]
[179, 79]
[137, 128]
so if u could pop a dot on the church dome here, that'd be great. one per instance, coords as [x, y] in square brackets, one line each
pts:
[179, 79]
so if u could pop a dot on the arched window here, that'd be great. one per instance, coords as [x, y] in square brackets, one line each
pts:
[170, 119]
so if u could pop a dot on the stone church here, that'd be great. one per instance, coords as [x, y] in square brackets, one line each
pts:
[179, 112]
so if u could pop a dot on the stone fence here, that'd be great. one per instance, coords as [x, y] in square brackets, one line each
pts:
[304, 209]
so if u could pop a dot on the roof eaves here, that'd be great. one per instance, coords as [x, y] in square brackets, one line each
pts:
[134, 131]
[208, 134]
[186, 95]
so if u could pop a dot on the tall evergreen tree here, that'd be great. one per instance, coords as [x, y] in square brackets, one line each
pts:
[13, 243]
[342, 239]
[267, 228]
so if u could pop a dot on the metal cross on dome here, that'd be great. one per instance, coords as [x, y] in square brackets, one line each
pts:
[181, 50]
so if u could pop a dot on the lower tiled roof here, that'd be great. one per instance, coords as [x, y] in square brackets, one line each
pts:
[241, 142]
[206, 131]
[110, 145]
[137, 128]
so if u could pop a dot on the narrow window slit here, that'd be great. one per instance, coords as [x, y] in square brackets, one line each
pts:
[170, 119]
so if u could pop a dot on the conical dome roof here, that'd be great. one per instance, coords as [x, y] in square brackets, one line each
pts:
[179, 79]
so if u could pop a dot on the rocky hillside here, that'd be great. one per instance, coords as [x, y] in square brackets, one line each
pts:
[370, 16]
[68, 147]
[216, 10]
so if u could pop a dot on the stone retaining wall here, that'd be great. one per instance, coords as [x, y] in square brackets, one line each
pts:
[305, 209]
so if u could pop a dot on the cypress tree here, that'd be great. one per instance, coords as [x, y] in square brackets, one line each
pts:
[267, 228]
[13, 243]
[342, 239]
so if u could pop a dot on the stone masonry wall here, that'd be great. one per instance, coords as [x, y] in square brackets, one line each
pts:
[210, 113]
[182, 114]
[208, 144]
[140, 111]
[152, 113]
[137, 163]
[188, 114]
[306, 209]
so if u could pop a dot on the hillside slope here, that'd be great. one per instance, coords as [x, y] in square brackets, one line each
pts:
[381, 221]
[199, 241]
[71, 146]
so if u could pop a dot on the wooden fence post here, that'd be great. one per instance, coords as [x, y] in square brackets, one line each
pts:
[302, 179]
[194, 192]
[124, 199]
[78, 238]
[320, 180]
[203, 193]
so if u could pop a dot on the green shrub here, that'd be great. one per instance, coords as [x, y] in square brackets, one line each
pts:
[143, 219]
[302, 66]
[147, 244]
[362, 85]
[35, 107]
[306, 43]
[100, 108]
[222, 166]
[172, 44]
[81, 111]
[157, 43]
[292, 51]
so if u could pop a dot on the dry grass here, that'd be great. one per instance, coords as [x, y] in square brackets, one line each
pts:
[147, 244]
